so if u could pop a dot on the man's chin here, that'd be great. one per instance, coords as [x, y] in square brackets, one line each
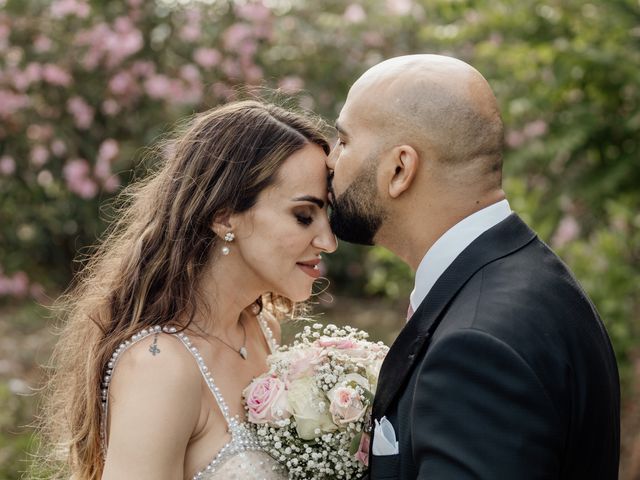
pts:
[352, 231]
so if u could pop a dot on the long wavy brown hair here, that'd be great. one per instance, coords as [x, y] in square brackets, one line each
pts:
[146, 270]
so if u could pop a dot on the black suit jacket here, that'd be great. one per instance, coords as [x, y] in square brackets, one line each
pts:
[505, 371]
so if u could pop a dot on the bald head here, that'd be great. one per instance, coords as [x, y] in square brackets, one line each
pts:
[441, 106]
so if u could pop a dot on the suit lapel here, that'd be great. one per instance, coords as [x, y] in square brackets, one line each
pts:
[506, 237]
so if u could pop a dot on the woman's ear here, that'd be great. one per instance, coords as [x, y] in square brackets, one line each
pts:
[405, 163]
[222, 223]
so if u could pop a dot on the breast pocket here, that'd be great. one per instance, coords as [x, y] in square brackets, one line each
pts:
[385, 466]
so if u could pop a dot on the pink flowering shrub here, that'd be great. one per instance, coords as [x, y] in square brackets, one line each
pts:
[84, 86]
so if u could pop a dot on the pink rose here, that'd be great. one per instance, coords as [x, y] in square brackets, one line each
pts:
[304, 362]
[346, 405]
[339, 343]
[266, 399]
[362, 455]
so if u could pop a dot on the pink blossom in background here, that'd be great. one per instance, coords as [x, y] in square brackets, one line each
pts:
[76, 169]
[253, 74]
[135, 3]
[354, 13]
[102, 169]
[291, 84]
[16, 286]
[108, 44]
[92, 38]
[20, 79]
[82, 112]
[400, 7]
[125, 41]
[158, 86]
[55, 75]
[143, 68]
[567, 231]
[515, 138]
[7, 165]
[535, 129]
[38, 292]
[5, 31]
[231, 68]
[42, 44]
[235, 35]
[63, 8]
[123, 83]
[373, 39]
[11, 102]
[254, 12]
[33, 72]
[39, 133]
[110, 107]
[58, 147]
[223, 91]
[112, 183]
[76, 174]
[207, 57]
[39, 155]
[108, 150]
[190, 73]
[191, 30]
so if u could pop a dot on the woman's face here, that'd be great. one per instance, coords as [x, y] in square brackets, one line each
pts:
[281, 237]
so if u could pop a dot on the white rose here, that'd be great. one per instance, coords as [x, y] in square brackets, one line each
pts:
[304, 403]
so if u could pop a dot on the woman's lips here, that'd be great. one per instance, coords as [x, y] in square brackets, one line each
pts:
[310, 268]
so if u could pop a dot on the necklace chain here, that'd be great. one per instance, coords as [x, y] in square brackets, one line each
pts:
[242, 351]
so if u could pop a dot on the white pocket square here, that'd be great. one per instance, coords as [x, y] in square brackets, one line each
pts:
[384, 438]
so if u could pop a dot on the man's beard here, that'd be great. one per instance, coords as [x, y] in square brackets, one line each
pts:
[356, 215]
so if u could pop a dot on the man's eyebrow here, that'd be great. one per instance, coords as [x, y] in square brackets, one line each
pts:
[309, 198]
[340, 129]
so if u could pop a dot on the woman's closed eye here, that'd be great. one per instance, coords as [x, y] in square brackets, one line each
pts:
[303, 219]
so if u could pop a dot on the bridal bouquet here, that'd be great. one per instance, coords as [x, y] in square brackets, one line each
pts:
[312, 410]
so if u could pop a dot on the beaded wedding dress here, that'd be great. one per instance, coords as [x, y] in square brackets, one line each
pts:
[241, 458]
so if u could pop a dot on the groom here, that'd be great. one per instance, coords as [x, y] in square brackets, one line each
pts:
[504, 369]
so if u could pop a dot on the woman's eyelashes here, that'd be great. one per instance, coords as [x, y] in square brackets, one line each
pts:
[304, 219]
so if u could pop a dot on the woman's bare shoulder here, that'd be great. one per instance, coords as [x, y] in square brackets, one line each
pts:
[158, 366]
[155, 399]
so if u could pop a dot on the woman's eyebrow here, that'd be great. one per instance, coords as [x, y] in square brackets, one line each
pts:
[309, 198]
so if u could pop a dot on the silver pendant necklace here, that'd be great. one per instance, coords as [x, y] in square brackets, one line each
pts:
[242, 351]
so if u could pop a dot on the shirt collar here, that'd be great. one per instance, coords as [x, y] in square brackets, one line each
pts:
[451, 244]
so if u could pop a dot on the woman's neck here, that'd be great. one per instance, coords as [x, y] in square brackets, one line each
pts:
[228, 290]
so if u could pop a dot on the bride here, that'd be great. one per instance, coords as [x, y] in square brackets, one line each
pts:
[177, 311]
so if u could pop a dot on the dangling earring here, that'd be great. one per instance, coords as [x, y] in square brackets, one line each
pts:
[229, 236]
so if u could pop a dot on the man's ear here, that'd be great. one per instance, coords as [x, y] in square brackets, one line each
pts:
[405, 163]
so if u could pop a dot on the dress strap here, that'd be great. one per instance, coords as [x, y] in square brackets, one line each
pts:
[267, 332]
[106, 381]
[206, 373]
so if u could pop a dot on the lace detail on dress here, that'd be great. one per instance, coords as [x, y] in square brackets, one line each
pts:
[242, 456]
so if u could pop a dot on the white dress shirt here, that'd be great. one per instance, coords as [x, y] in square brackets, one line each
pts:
[451, 244]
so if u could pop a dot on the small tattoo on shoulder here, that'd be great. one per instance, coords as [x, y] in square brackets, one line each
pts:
[154, 346]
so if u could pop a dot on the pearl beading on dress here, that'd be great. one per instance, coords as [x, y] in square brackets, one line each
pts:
[242, 438]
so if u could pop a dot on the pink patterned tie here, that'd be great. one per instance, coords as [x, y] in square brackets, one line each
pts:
[409, 312]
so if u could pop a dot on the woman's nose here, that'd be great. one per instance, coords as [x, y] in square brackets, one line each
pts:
[326, 240]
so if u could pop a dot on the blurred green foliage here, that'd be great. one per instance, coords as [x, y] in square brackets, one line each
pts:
[86, 85]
